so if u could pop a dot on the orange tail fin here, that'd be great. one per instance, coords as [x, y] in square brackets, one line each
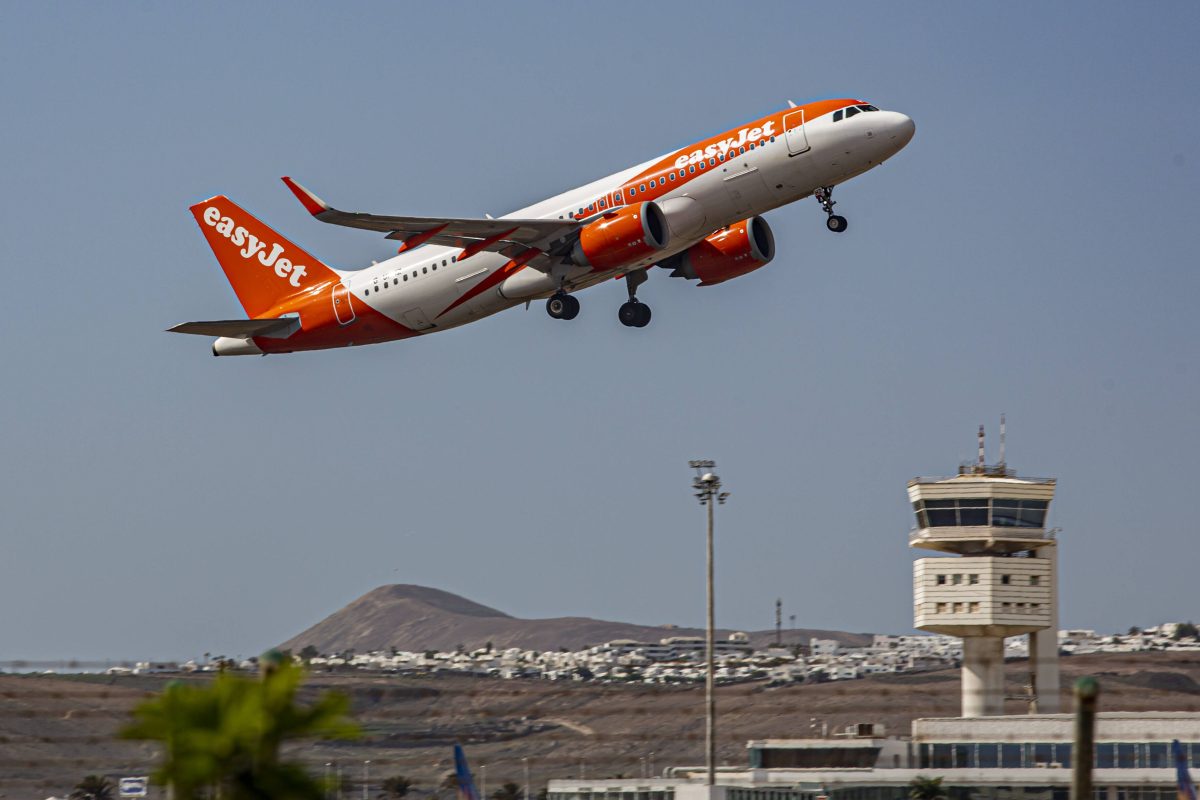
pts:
[263, 267]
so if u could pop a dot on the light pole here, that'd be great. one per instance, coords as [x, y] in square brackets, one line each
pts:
[483, 782]
[650, 760]
[366, 777]
[328, 785]
[708, 488]
[525, 764]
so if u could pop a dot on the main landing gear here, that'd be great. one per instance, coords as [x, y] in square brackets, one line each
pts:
[634, 314]
[824, 196]
[562, 306]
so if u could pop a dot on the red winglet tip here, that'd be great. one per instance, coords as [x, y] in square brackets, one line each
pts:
[307, 199]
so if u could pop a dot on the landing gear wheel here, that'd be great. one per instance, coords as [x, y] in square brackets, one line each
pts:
[634, 314]
[562, 306]
[572, 310]
[824, 196]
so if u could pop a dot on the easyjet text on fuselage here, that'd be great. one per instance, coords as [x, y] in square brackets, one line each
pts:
[745, 136]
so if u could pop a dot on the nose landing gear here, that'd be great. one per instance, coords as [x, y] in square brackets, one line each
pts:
[824, 196]
[634, 314]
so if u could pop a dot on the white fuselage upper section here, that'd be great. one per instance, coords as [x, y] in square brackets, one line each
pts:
[416, 288]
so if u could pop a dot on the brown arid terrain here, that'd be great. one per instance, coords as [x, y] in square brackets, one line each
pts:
[55, 729]
[417, 618]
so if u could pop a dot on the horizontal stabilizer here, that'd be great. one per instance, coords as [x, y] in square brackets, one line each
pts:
[273, 328]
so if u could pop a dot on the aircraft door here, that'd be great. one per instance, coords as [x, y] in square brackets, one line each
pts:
[343, 307]
[793, 131]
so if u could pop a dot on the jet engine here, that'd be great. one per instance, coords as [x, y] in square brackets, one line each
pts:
[742, 247]
[623, 236]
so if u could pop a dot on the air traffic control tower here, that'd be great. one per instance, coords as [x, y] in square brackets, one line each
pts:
[1003, 583]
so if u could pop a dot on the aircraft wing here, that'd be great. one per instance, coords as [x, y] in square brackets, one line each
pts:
[508, 236]
[272, 328]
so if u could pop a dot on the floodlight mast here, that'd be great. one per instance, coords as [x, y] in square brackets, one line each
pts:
[707, 487]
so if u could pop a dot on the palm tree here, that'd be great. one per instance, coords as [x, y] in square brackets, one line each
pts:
[93, 787]
[227, 734]
[920, 788]
[395, 787]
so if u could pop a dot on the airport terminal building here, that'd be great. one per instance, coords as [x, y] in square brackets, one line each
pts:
[984, 758]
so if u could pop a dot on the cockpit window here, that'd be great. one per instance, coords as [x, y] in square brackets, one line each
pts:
[850, 112]
[868, 108]
[837, 115]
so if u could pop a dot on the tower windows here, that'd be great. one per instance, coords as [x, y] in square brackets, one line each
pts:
[968, 512]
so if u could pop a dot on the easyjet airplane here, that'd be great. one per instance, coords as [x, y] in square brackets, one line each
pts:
[694, 212]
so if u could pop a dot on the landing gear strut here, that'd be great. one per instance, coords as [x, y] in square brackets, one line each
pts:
[562, 306]
[634, 314]
[824, 196]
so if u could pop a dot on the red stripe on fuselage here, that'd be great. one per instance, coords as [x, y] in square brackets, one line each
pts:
[320, 328]
[511, 268]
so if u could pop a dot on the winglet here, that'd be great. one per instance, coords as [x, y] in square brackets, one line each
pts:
[310, 201]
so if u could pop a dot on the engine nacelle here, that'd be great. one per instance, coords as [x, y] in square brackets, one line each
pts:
[742, 247]
[623, 236]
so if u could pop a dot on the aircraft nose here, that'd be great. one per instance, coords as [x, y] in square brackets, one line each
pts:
[902, 129]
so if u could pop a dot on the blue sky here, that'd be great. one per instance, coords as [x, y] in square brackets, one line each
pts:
[1033, 251]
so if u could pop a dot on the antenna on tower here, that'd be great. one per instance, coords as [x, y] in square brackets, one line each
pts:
[982, 460]
[1002, 432]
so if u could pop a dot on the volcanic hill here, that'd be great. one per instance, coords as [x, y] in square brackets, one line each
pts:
[415, 618]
